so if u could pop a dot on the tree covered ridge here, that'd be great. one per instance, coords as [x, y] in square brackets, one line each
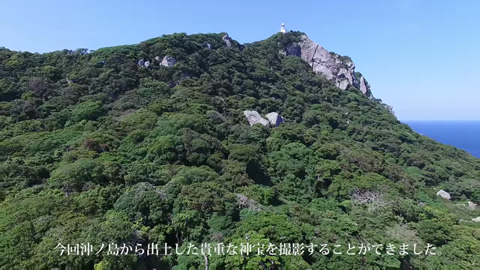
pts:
[95, 148]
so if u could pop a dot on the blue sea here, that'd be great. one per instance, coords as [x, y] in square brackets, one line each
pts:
[461, 134]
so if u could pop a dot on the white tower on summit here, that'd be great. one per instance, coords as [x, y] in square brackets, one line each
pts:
[282, 28]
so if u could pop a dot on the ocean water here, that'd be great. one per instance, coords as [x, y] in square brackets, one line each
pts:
[461, 134]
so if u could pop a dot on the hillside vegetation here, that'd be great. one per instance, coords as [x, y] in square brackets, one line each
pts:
[95, 148]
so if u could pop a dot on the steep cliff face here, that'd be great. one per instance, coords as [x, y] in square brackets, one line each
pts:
[336, 68]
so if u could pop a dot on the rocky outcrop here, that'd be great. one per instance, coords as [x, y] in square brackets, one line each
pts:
[274, 118]
[476, 219]
[340, 70]
[168, 61]
[363, 85]
[442, 193]
[472, 205]
[227, 40]
[254, 117]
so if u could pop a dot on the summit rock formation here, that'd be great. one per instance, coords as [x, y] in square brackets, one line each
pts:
[340, 70]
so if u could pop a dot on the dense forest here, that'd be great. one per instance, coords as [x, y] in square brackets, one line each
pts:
[97, 147]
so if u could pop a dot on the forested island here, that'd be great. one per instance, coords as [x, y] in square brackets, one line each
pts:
[149, 143]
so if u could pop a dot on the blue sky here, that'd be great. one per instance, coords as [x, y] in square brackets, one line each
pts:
[420, 56]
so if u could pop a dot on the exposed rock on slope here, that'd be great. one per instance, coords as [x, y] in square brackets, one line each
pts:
[472, 205]
[442, 193]
[168, 61]
[255, 118]
[364, 87]
[274, 118]
[227, 40]
[340, 70]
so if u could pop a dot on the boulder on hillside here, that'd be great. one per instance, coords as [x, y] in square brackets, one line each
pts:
[168, 61]
[472, 205]
[274, 118]
[442, 193]
[254, 117]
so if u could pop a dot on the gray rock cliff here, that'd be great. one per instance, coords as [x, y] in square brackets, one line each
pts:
[340, 70]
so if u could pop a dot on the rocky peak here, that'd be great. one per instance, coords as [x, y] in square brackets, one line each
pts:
[340, 70]
[227, 40]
